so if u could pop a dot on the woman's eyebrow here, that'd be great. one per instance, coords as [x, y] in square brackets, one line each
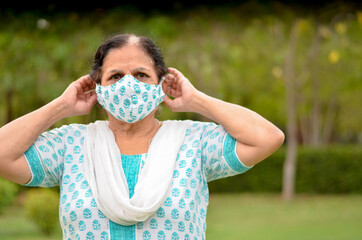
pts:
[141, 69]
[110, 72]
[134, 70]
[115, 71]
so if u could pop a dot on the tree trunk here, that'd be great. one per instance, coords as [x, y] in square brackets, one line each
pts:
[291, 133]
[316, 102]
[9, 106]
[329, 120]
[290, 161]
[304, 122]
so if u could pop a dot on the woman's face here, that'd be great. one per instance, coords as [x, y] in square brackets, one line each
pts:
[128, 60]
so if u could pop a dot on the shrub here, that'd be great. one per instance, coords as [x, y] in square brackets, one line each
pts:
[8, 191]
[41, 206]
[334, 169]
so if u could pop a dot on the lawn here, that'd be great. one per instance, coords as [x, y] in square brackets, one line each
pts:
[247, 216]
[266, 217]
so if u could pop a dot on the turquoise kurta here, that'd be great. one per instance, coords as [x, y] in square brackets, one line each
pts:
[131, 165]
[207, 153]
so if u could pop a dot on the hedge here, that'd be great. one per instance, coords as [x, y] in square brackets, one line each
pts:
[41, 206]
[332, 170]
[8, 191]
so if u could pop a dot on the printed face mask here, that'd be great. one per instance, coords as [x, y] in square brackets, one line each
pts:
[130, 100]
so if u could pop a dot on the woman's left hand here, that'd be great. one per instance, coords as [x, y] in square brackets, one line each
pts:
[181, 90]
[256, 137]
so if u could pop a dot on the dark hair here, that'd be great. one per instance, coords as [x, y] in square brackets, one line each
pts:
[121, 40]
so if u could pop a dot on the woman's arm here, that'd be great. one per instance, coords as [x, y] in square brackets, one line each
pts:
[17, 136]
[256, 137]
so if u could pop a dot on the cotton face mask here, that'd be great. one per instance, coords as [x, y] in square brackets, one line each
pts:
[130, 100]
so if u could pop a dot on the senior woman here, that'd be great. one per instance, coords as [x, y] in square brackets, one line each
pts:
[134, 177]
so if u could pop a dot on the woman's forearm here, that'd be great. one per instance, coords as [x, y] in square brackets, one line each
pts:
[17, 136]
[246, 126]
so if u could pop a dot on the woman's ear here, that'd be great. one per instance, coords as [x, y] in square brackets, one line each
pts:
[96, 76]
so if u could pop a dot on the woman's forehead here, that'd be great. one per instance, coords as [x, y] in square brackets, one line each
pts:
[130, 55]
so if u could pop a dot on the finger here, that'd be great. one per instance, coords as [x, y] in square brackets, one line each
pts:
[167, 90]
[78, 86]
[174, 92]
[86, 82]
[81, 90]
[169, 78]
[88, 85]
[88, 79]
[175, 84]
[165, 87]
[167, 101]
[90, 82]
[92, 98]
[176, 73]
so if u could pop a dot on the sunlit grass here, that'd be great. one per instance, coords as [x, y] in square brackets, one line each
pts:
[260, 217]
[15, 226]
[246, 216]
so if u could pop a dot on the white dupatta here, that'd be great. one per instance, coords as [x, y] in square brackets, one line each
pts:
[105, 175]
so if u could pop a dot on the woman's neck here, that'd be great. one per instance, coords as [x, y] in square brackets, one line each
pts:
[134, 138]
[142, 128]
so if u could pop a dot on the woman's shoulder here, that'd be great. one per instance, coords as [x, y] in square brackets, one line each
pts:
[73, 129]
[81, 126]
[192, 125]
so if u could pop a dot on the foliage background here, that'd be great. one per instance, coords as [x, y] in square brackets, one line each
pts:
[235, 53]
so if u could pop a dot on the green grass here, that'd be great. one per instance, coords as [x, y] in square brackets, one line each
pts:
[261, 217]
[246, 216]
[15, 226]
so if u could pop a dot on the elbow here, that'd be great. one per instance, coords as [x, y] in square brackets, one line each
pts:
[272, 142]
[277, 139]
[280, 137]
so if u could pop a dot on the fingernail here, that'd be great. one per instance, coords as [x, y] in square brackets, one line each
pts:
[89, 91]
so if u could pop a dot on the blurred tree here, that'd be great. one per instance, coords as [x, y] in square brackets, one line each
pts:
[291, 88]
[308, 84]
[312, 88]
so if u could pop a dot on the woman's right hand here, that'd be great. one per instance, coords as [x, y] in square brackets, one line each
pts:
[17, 136]
[78, 98]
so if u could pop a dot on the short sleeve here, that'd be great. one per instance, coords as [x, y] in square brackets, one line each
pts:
[218, 153]
[47, 154]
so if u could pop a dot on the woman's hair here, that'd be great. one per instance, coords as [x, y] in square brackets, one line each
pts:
[120, 41]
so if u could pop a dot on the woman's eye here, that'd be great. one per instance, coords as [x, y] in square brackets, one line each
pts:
[141, 76]
[116, 77]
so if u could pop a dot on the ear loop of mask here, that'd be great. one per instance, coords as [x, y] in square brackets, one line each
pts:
[162, 80]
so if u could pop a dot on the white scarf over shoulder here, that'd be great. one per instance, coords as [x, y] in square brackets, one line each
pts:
[105, 175]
